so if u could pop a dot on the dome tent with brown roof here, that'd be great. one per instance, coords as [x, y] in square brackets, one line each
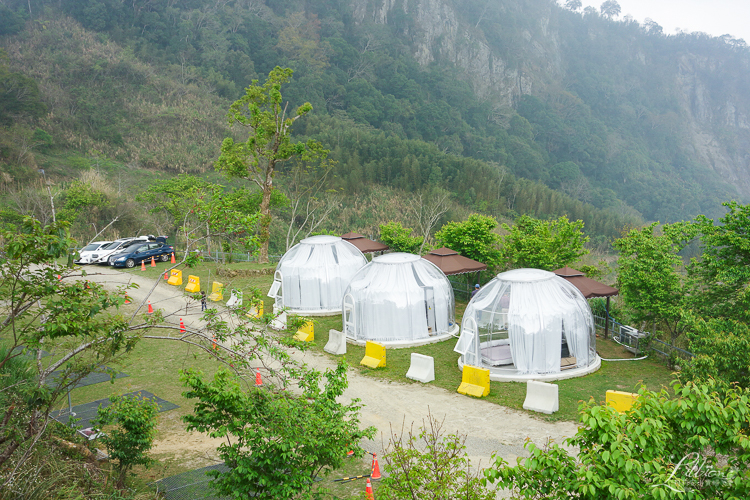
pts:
[529, 324]
[400, 300]
[311, 277]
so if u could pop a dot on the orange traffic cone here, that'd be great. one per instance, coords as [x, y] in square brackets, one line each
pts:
[213, 342]
[173, 261]
[166, 275]
[150, 309]
[368, 490]
[153, 262]
[375, 467]
[182, 326]
[127, 299]
[143, 265]
[258, 380]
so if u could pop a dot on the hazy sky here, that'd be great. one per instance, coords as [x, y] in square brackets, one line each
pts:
[715, 17]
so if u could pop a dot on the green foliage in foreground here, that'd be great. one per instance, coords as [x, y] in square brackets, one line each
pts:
[277, 442]
[473, 238]
[723, 271]
[132, 436]
[539, 244]
[430, 465]
[692, 445]
[399, 238]
[649, 276]
[722, 351]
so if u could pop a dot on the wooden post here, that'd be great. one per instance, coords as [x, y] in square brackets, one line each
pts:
[606, 320]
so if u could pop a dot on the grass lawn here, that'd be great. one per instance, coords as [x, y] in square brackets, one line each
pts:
[622, 375]
[154, 366]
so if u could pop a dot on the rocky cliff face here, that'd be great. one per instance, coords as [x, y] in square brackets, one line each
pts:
[709, 117]
[436, 32]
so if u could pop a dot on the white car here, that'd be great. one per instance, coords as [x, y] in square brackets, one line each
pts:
[86, 253]
[101, 256]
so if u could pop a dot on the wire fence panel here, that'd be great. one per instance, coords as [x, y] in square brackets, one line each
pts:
[191, 485]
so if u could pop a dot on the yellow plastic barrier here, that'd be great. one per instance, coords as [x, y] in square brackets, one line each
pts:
[194, 284]
[175, 277]
[217, 292]
[306, 333]
[475, 381]
[255, 311]
[374, 355]
[621, 401]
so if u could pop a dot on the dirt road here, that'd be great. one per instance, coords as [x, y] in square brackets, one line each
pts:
[490, 428]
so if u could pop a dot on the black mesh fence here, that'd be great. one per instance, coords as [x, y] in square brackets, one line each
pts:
[53, 380]
[191, 485]
[87, 411]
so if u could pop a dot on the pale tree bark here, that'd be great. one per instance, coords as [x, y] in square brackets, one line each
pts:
[428, 207]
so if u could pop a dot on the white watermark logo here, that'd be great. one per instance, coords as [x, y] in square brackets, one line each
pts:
[693, 472]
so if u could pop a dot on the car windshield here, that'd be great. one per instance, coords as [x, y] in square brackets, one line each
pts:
[113, 245]
[91, 247]
[132, 248]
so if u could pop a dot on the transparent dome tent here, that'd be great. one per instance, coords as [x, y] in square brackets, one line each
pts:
[529, 324]
[400, 300]
[311, 277]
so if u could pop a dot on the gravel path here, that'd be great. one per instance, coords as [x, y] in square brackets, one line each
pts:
[489, 428]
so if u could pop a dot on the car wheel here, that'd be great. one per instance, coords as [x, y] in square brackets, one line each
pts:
[164, 257]
[129, 263]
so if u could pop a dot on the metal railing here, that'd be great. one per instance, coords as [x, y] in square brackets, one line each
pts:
[639, 341]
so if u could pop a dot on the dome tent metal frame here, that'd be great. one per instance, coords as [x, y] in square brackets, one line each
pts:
[311, 277]
[529, 324]
[399, 300]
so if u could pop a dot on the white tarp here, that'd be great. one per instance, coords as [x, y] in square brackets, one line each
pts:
[312, 275]
[400, 297]
[530, 310]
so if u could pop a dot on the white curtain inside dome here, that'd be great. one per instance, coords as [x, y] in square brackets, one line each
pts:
[400, 302]
[528, 319]
[314, 276]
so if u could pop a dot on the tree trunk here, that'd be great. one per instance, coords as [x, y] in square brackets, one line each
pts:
[265, 220]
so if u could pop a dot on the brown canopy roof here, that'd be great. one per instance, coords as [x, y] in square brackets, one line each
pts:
[365, 245]
[588, 287]
[451, 263]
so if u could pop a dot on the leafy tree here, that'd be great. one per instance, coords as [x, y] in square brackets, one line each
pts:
[573, 4]
[399, 238]
[41, 308]
[262, 112]
[649, 275]
[51, 306]
[132, 436]
[610, 8]
[721, 349]
[473, 238]
[721, 275]
[277, 443]
[542, 244]
[430, 466]
[81, 198]
[201, 210]
[691, 444]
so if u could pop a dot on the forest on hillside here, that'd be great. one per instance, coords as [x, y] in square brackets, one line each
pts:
[145, 85]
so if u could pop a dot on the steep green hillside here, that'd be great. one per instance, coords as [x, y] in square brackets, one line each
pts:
[470, 96]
